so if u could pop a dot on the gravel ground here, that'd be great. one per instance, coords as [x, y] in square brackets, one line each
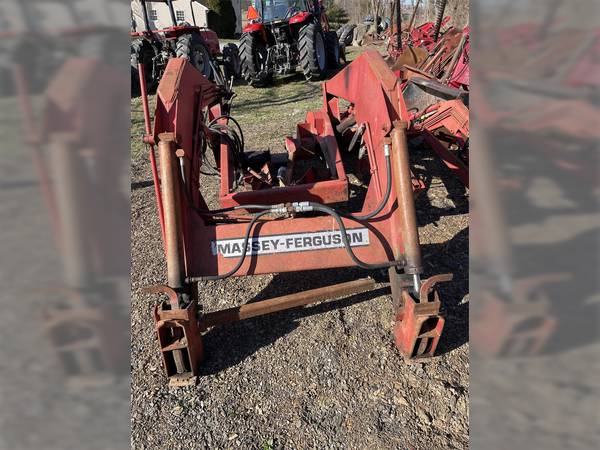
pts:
[324, 376]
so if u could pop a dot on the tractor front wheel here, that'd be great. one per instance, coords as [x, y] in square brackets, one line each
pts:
[333, 50]
[313, 57]
[231, 61]
[191, 47]
[253, 56]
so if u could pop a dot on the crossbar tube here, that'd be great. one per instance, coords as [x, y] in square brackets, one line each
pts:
[276, 304]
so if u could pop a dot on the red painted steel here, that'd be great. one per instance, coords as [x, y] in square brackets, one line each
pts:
[252, 27]
[375, 92]
[316, 131]
[300, 17]
[186, 105]
[422, 36]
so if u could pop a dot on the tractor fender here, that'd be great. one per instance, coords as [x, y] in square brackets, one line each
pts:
[211, 41]
[257, 28]
[253, 27]
[300, 17]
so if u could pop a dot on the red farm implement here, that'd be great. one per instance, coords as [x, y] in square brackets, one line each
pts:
[200, 45]
[287, 212]
[435, 78]
[77, 168]
[424, 37]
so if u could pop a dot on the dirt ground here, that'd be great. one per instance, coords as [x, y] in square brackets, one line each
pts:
[324, 376]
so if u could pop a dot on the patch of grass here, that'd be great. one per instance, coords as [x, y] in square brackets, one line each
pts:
[138, 128]
[267, 444]
[268, 114]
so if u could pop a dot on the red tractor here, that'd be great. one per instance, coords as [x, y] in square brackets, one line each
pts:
[284, 34]
[199, 45]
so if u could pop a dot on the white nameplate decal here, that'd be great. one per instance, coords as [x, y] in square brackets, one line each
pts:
[286, 243]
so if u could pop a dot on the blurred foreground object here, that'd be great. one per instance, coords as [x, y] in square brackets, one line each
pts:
[65, 214]
[534, 236]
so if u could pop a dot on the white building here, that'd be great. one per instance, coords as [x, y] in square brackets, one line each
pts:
[185, 11]
[54, 15]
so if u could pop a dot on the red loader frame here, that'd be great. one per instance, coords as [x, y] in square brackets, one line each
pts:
[296, 229]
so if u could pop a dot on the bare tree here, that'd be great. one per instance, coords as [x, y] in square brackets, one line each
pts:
[376, 7]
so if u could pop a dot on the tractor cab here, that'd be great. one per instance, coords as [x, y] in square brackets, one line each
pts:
[269, 11]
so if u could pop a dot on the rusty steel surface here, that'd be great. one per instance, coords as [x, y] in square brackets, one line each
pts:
[418, 327]
[180, 342]
[163, 289]
[285, 302]
[419, 323]
[406, 203]
[171, 203]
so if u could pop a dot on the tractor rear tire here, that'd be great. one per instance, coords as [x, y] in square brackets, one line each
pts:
[333, 50]
[346, 34]
[191, 47]
[253, 55]
[141, 52]
[313, 57]
[231, 61]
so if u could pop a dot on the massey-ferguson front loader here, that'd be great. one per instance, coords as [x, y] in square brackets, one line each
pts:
[286, 212]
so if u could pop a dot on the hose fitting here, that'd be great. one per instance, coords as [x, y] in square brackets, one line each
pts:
[301, 207]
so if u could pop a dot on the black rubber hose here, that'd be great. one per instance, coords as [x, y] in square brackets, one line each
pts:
[227, 116]
[386, 196]
[241, 258]
[332, 212]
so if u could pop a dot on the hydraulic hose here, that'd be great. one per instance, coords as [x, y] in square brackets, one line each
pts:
[227, 116]
[241, 258]
[333, 213]
[388, 189]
